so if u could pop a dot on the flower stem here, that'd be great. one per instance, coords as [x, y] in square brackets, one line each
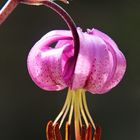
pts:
[7, 9]
[66, 17]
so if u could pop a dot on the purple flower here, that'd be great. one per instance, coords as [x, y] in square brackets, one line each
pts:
[99, 67]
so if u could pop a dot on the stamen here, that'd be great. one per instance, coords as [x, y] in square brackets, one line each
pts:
[82, 111]
[76, 116]
[49, 131]
[71, 109]
[97, 133]
[87, 111]
[78, 92]
[64, 107]
[57, 132]
[89, 133]
[83, 132]
[66, 111]
[75, 102]
[67, 132]
[80, 120]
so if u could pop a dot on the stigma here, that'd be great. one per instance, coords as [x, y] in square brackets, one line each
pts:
[75, 106]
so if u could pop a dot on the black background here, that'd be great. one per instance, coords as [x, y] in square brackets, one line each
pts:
[25, 109]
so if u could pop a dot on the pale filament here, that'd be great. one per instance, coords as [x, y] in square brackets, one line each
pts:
[75, 102]
[64, 107]
[82, 111]
[86, 109]
[76, 116]
[66, 111]
[71, 109]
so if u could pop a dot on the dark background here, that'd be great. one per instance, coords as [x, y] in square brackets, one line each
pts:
[25, 109]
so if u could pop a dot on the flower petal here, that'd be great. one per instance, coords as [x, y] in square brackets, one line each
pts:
[100, 65]
[46, 64]
[117, 62]
[83, 64]
[119, 71]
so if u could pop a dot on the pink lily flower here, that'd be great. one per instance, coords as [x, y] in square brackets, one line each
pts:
[100, 66]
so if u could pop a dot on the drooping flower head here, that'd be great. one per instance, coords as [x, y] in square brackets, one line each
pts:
[82, 61]
[99, 67]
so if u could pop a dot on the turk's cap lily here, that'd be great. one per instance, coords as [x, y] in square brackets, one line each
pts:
[99, 67]
[96, 65]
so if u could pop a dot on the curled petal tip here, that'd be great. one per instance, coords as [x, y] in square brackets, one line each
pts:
[90, 31]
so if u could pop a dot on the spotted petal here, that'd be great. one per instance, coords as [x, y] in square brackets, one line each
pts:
[99, 67]
[118, 60]
[45, 64]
